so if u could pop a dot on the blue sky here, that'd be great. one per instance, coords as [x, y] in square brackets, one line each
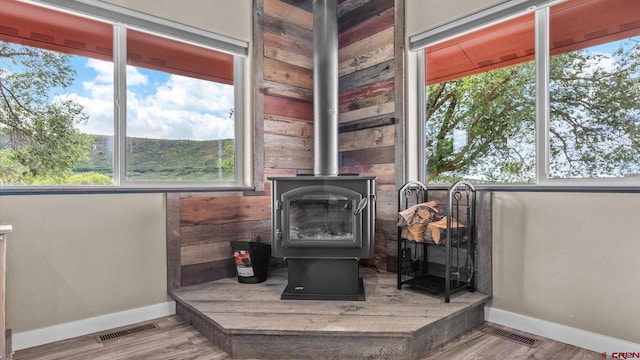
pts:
[160, 105]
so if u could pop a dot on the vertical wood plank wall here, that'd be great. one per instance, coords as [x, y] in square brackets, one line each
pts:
[370, 119]
[369, 112]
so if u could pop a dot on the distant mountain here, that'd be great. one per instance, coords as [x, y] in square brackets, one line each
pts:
[158, 159]
[155, 159]
[100, 157]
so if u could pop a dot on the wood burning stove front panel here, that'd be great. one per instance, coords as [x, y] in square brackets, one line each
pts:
[323, 217]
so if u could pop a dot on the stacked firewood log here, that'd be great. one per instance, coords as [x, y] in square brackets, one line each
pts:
[424, 222]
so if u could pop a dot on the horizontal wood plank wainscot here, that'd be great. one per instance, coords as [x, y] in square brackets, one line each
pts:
[200, 225]
[208, 222]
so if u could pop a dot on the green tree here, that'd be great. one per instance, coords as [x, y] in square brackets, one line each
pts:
[595, 113]
[90, 178]
[226, 159]
[489, 109]
[594, 124]
[43, 140]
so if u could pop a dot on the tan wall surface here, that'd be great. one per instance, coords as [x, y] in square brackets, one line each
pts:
[225, 17]
[424, 15]
[569, 258]
[72, 257]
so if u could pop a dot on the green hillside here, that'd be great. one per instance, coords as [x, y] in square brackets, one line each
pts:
[171, 160]
[160, 160]
[100, 158]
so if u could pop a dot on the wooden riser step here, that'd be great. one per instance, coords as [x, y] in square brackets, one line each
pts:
[250, 320]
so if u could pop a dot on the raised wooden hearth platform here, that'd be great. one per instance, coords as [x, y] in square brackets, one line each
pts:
[250, 320]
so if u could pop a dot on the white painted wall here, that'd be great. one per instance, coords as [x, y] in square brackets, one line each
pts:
[72, 257]
[569, 259]
[225, 17]
[424, 15]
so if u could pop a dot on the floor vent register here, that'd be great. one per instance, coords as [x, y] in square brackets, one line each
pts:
[126, 332]
[510, 335]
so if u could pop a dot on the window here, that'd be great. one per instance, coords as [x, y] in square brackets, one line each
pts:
[180, 111]
[480, 112]
[44, 61]
[594, 90]
[538, 98]
[96, 102]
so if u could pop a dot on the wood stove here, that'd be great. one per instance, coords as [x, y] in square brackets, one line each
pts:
[323, 224]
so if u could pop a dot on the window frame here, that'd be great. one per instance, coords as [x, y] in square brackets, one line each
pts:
[504, 11]
[122, 19]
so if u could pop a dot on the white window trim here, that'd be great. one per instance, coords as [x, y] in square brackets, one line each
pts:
[507, 10]
[121, 19]
[543, 112]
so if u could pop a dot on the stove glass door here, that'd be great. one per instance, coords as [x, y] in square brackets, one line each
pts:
[322, 216]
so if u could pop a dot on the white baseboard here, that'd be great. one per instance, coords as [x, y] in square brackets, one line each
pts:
[554, 331]
[573, 336]
[31, 338]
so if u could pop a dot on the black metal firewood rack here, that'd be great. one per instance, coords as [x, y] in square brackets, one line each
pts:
[448, 265]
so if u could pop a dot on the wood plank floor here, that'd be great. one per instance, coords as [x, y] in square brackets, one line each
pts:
[477, 345]
[390, 324]
[176, 340]
[173, 339]
[246, 307]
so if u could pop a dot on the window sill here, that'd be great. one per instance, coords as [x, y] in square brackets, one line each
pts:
[547, 188]
[20, 190]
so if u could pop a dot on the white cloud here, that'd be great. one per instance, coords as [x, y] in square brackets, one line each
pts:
[97, 98]
[600, 62]
[103, 69]
[134, 77]
[159, 107]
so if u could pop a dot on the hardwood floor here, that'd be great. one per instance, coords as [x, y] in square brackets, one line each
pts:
[173, 339]
[391, 324]
[478, 345]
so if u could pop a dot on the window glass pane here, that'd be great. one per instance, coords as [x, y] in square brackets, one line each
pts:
[180, 111]
[56, 108]
[594, 129]
[480, 113]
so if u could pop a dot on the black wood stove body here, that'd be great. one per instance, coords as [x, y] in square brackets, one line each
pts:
[323, 226]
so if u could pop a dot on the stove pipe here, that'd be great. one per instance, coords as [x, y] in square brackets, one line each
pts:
[325, 87]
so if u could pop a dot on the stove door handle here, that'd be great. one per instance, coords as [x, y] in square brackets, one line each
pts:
[361, 205]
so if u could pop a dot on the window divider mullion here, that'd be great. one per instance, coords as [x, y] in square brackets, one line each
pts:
[238, 120]
[542, 95]
[422, 116]
[120, 103]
